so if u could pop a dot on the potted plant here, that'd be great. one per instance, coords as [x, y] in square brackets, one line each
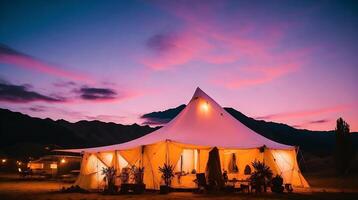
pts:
[138, 173]
[167, 175]
[261, 176]
[124, 176]
[276, 184]
[109, 177]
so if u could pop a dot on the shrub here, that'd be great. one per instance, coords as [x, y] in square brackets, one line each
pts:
[261, 176]
[276, 184]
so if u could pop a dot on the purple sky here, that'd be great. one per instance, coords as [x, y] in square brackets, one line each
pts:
[293, 62]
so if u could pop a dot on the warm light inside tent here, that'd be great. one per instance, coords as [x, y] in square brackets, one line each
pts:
[204, 106]
[284, 162]
[3, 160]
[53, 166]
[122, 162]
[188, 161]
[63, 161]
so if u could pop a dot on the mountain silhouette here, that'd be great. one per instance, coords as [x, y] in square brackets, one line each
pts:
[22, 135]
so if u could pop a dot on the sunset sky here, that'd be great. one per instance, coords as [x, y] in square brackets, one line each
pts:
[292, 62]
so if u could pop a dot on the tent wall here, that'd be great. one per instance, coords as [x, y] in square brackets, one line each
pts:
[243, 158]
[284, 163]
[151, 157]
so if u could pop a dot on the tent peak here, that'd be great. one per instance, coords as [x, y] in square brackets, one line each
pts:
[199, 93]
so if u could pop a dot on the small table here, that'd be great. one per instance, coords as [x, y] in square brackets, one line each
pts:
[234, 181]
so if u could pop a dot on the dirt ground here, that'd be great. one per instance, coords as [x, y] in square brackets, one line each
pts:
[13, 188]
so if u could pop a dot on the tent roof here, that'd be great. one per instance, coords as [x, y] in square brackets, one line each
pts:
[202, 122]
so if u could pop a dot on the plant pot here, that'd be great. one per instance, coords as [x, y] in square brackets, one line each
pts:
[125, 188]
[128, 188]
[139, 188]
[164, 189]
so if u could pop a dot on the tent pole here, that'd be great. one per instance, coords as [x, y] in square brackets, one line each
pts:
[141, 160]
[97, 173]
[198, 161]
[166, 153]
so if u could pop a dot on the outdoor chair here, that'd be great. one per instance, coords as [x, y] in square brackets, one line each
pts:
[201, 182]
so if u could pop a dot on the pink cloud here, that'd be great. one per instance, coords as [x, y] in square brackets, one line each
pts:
[107, 118]
[304, 113]
[239, 42]
[171, 50]
[29, 63]
[261, 75]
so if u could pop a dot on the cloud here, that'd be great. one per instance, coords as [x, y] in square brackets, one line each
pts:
[313, 122]
[162, 42]
[106, 118]
[304, 113]
[253, 48]
[13, 57]
[161, 117]
[64, 84]
[22, 94]
[37, 108]
[321, 121]
[262, 75]
[170, 50]
[91, 93]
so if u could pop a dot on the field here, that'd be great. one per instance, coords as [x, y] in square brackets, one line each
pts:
[11, 187]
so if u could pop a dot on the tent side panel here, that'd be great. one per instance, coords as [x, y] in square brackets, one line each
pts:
[154, 156]
[90, 177]
[284, 163]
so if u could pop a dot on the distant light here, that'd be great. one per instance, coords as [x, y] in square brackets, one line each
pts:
[3, 160]
[63, 161]
[53, 166]
[204, 107]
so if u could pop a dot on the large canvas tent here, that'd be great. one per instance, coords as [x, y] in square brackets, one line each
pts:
[185, 143]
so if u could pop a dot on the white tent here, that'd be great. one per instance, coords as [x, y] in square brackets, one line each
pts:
[185, 142]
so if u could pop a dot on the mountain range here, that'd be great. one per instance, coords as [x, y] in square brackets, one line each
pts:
[22, 135]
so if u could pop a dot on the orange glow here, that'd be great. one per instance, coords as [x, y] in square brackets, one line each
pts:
[3, 160]
[63, 161]
[53, 166]
[204, 107]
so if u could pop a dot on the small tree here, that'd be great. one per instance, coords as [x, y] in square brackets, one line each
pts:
[261, 176]
[344, 149]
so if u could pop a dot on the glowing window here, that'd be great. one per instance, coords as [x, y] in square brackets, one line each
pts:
[188, 161]
[53, 166]
[35, 166]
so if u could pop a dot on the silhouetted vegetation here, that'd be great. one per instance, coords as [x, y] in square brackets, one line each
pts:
[261, 176]
[276, 184]
[345, 153]
[109, 178]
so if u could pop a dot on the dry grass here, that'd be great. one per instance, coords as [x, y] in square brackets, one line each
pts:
[13, 188]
